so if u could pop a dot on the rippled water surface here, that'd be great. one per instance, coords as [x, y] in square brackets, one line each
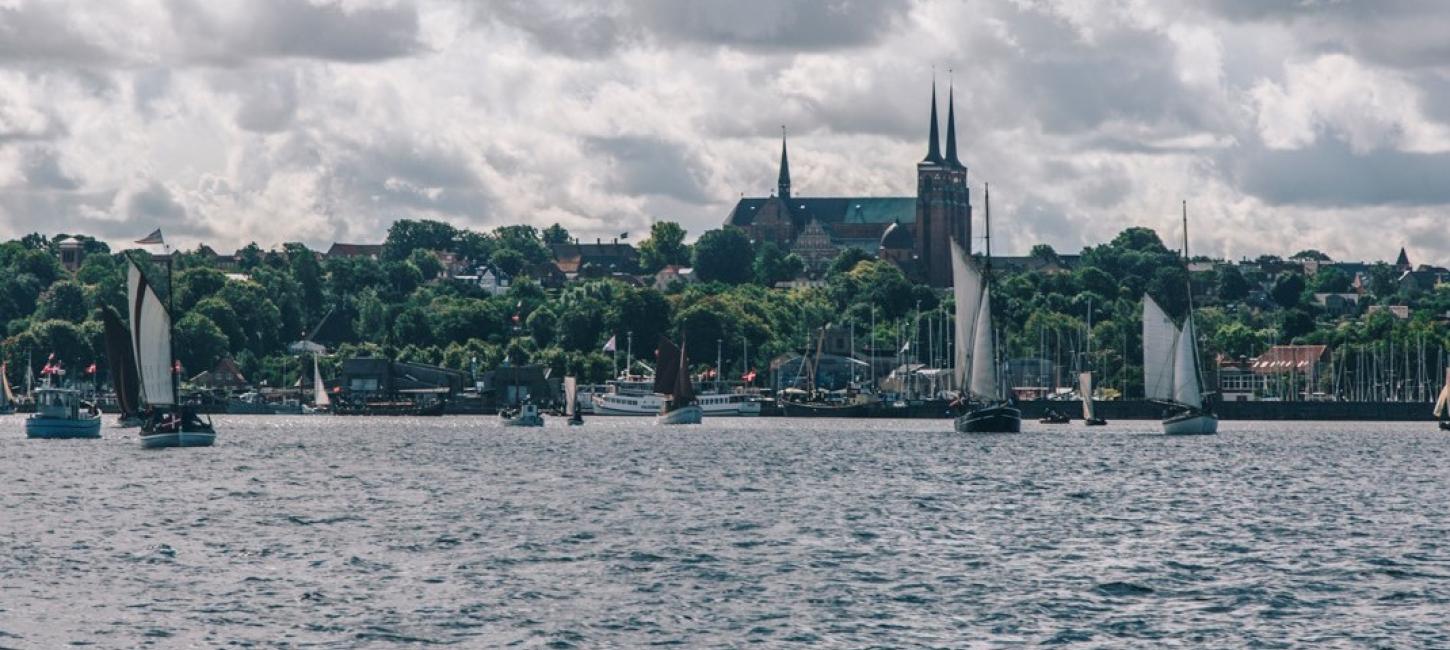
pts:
[339, 532]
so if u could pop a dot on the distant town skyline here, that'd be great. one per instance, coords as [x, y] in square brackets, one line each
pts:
[1285, 126]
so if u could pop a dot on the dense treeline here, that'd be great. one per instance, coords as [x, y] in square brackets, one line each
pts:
[402, 306]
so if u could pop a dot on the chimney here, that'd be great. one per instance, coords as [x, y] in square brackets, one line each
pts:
[596, 241]
[616, 241]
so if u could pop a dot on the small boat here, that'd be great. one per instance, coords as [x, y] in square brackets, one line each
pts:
[1442, 404]
[1170, 365]
[58, 414]
[1053, 417]
[987, 409]
[817, 409]
[1085, 385]
[672, 379]
[7, 398]
[167, 423]
[571, 401]
[321, 403]
[526, 415]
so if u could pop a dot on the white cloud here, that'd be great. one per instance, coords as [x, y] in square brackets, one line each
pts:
[323, 120]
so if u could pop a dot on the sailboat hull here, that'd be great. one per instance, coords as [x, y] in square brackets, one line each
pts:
[997, 418]
[691, 414]
[1191, 423]
[178, 439]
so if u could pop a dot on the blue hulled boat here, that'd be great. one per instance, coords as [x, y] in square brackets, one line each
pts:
[58, 414]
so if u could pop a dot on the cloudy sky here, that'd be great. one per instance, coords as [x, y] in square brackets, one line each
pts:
[1286, 124]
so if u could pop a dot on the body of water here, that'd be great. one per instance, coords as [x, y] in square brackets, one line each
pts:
[375, 532]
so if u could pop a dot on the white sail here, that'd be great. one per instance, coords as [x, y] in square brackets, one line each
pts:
[1085, 386]
[319, 389]
[1159, 337]
[150, 338]
[1186, 389]
[967, 291]
[571, 392]
[984, 353]
[1442, 402]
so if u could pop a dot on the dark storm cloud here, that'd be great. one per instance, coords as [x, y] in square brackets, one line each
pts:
[41, 169]
[1330, 174]
[1398, 33]
[643, 165]
[295, 29]
[585, 30]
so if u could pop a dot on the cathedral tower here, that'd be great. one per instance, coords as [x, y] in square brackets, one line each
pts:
[943, 203]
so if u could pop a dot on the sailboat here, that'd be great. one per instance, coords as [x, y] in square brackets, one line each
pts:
[321, 402]
[7, 398]
[986, 408]
[1085, 380]
[1170, 365]
[672, 379]
[1442, 404]
[1085, 385]
[122, 361]
[167, 423]
[571, 401]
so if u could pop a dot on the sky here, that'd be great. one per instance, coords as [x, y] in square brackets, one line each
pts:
[1286, 124]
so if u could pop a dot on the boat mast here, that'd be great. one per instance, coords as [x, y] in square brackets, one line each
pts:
[171, 331]
[987, 280]
[1188, 274]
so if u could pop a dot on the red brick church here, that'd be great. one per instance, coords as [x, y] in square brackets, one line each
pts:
[912, 232]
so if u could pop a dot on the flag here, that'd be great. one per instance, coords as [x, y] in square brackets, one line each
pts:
[153, 238]
[51, 357]
[610, 347]
[176, 367]
[624, 235]
[905, 348]
[46, 370]
[91, 369]
[749, 376]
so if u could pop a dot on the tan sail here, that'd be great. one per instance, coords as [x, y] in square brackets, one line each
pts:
[1085, 386]
[1442, 402]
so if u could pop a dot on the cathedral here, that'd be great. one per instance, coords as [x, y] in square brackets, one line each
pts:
[912, 232]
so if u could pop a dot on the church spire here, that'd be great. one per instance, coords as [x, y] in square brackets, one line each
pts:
[933, 151]
[952, 130]
[783, 183]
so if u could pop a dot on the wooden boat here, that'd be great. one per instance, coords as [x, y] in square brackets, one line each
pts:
[1085, 386]
[7, 398]
[571, 402]
[672, 379]
[167, 422]
[987, 408]
[1170, 365]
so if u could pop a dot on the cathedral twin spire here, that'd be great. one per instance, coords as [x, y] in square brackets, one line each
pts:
[933, 151]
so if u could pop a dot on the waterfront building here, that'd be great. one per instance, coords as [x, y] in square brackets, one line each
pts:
[912, 232]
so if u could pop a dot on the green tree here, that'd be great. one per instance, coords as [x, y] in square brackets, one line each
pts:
[1232, 287]
[556, 234]
[308, 274]
[508, 260]
[664, 247]
[720, 256]
[1332, 280]
[773, 265]
[1288, 289]
[1310, 255]
[427, 263]
[197, 284]
[408, 235]
[200, 343]
[847, 260]
[525, 240]
[65, 301]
